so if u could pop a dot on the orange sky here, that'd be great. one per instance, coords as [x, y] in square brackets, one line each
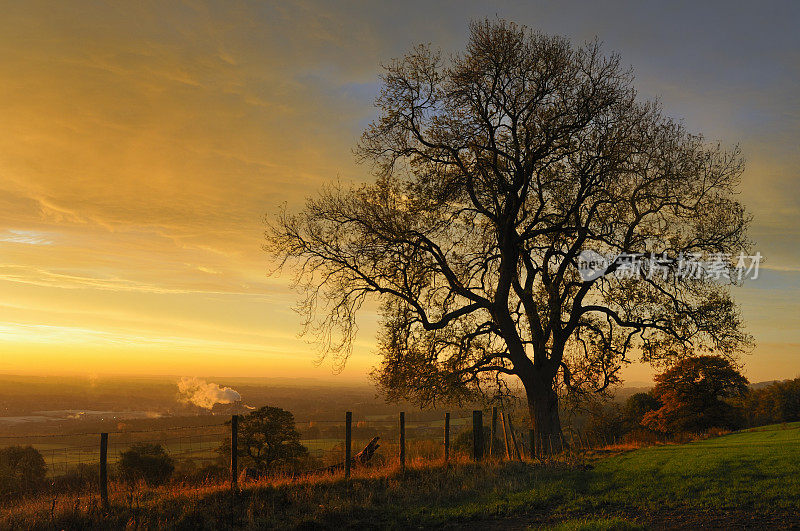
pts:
[142, 144]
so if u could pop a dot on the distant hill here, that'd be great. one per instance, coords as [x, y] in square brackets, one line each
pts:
[760, 385]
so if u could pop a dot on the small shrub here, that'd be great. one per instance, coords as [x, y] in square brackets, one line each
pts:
[145, 462]
[22, 470]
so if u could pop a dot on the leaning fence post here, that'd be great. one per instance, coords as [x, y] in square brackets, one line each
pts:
[513, 437]
[477, 434]
[402, 441]
[505, 435]
[447, 437]
[348, 439]
[234, 451]
[493, 433]
[104, 469]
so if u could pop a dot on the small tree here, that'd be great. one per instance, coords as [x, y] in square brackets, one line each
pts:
[268, 440]
[22, 470]
[693, 393]
[146, 462]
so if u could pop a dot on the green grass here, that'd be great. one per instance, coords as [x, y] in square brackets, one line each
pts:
[597, 524]
[746, 470]
[745, 477]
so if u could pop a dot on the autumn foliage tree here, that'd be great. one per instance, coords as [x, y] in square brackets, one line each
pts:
[494, 169]
[695, 394]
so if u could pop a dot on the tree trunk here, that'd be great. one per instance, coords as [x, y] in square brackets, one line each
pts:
[546, 424]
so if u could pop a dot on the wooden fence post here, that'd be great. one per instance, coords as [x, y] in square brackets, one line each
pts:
[447, 437]
[477, 434]
[402, 441]
[234, 451]
[505, 434]
[493, 433]
[348, 439]
[513, 437]
[104, 469]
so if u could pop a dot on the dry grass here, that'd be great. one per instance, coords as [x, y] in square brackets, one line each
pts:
[282, 501]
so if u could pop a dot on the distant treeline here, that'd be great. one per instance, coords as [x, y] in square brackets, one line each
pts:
[776, 403]
[649, 416]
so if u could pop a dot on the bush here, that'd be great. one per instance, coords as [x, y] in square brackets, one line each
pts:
[145, 462]
[22, 470]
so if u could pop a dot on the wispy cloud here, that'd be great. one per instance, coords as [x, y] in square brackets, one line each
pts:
[27, 237]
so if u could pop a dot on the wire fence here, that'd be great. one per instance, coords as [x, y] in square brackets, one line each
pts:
[424, 437]
[71, 453]
[198, 449]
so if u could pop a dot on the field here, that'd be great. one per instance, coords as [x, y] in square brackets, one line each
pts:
[198, 444]
[745, 479]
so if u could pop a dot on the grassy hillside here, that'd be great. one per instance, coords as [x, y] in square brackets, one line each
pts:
[746, 479]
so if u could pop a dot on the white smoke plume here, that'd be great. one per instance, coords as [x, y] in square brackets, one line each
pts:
[205, 394]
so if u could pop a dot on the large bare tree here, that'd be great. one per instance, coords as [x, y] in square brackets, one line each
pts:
[495, 170]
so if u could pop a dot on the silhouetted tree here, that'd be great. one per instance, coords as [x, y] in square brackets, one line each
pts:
[145, 462]
[268, 440]
[22, 470]
[693, 394]
[494, 170]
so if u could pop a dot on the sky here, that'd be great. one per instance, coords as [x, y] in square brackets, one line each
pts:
[142, 144]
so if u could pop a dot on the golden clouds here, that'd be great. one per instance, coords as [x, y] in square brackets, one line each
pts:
[141, 144]
[139, 151]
